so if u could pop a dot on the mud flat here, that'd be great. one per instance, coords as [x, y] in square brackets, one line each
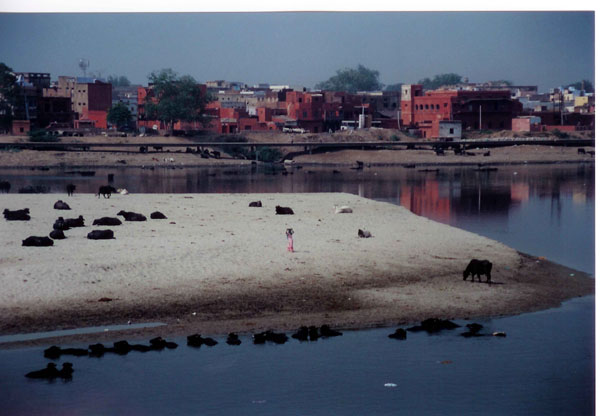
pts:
[217, 265]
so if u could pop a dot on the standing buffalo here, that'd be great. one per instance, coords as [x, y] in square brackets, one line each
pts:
[106, 191]
[4, 186]
[70, 189]
[478, 267]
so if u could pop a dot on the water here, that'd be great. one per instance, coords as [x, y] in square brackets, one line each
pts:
[545, 366]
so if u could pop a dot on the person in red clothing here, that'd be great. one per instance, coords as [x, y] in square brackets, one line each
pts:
[289, 232]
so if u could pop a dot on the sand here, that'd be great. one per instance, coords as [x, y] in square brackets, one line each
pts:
[216, 265]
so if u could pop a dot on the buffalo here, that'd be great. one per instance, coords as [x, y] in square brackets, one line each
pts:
[60, 224]
[106, 191]
[4, 186]
[75, 222]
[257, 204]
[478, 267]
[157, 215]
[283, 210]
[49, 372]
[107, 221]
[101, 235]
[131, 216]
[17, 215]
[61, 205]
[70, 189]
[34, 241]
[57, 235]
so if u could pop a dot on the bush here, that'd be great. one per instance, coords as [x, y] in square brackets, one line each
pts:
[42, 136]
[268, 154]
[559, 134]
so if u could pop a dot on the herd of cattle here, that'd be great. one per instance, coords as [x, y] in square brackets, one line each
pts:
[63, 224]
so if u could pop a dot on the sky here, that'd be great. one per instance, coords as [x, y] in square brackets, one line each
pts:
[547, 49]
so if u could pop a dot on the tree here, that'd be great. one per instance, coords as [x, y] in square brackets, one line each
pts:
[587, 85]
[440, 80]
[119, 115]
[118, 81]
[173, 98]
[394, 87]
[352, 80]
[9, 92]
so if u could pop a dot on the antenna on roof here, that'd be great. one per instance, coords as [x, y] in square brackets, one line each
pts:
[84, 64]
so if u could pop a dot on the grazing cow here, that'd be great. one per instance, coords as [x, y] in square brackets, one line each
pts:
[478, 267]
[49, 372]
[4, 186]
[70, 189]
[17, 215]
[34, 241]
[61, 205]
[132, 216]
[106, 191]
[57, 235]
[107, 221]
[283, 210]
[157, 215]
[255, 204]
[75, 222]
[101, 235]
[364, 234]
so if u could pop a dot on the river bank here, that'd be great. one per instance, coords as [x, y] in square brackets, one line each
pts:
[217, 265]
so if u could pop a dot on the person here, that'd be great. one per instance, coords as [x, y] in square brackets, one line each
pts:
[289, 232]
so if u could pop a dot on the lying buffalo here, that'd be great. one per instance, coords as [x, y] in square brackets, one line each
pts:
[107, 221]
[17, 215]
[57, 235]
[61, 225]
[75, 222]
[101, 235]
[255, 204]
[478, 267]
[283, 210]
[61, 205]
[106, 191]
[157, 215]
[131, 216]
[34, 241]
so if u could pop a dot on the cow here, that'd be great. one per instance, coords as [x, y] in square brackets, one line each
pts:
[478, 267]
[70, 189]
[61, 205]
[157, 215]
[34, 241]
[131, 216]
[106, 191]
[255, 204]
[4, 186]
[101, 235]
[17, 215]
[283, 210]
[107, 221]
[75, 222]
[57, 235]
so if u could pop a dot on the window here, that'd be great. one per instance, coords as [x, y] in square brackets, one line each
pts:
[426, 106]
[451, 131]
[304, 114]
[437, 106]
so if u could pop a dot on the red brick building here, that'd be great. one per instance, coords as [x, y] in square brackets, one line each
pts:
[477, 110]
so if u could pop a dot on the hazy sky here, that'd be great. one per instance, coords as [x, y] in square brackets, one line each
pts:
[528, 48]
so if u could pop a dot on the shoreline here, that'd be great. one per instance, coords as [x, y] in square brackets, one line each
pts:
[241, 279]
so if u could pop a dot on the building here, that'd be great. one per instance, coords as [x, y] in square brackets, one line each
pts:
[476, 110]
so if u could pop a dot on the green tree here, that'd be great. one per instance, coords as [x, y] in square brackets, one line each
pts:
[119, 115]
[118, 81]
[9, 92]
[352, 80]
[440, 80]
[587, 85]
[174, 98]
[394, 87]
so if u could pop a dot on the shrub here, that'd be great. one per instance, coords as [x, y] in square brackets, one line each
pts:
[42, 136]
[559, 134]
[268, 154]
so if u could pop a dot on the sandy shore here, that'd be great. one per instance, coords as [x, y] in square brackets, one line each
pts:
[216, 265]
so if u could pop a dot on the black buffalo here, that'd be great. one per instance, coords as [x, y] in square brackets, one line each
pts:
[131, 216]
[61, 205]
[49, 372]
[283, 210]
[70, 189]
[34, 241]
[17, 215]
[75, 222]
[478, 267]
[57, 235]
[157, 215]
[255, 204]
[106, 191]
[60, 224]
[107, 221]
[101, 235]
[4, 186]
